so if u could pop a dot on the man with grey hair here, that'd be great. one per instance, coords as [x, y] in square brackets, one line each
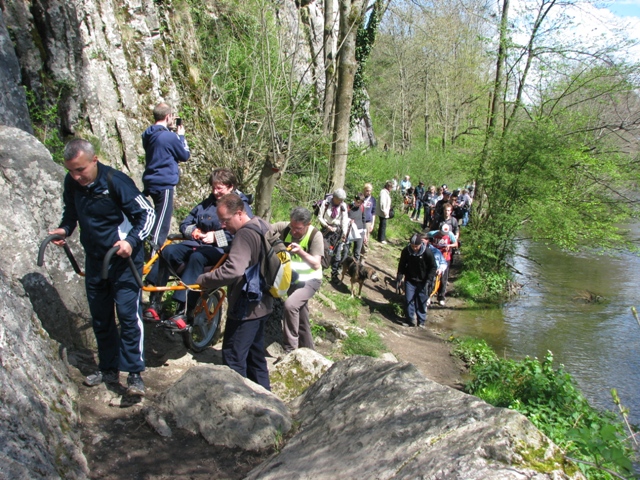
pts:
[111, 212]
[307, 248]
[334, 218]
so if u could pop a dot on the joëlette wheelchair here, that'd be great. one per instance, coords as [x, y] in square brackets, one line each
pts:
[205, 326]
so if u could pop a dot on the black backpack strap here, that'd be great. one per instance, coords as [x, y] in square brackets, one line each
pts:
[285, 233]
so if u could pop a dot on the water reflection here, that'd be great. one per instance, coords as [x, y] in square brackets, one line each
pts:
[599, 343]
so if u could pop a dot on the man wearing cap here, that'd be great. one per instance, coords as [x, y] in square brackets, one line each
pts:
[418, 267]
[334, 218]
[444, 240]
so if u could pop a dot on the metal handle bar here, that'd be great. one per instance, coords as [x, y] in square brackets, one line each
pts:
[67, 250]
[107, 261]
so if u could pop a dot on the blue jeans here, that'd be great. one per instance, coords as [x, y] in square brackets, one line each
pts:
[416, 296]
[194, 258]
[416, 211]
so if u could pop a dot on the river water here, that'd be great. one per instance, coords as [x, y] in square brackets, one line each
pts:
[598, 343]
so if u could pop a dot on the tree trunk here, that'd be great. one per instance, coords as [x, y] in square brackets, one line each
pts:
[350, 18]
[493, 112]
[426, 113]
[271, 173]
[330, 46]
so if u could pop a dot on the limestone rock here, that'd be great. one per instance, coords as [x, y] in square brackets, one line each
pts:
[377, 419]
[31, 202]
[226, 409]
[38, 418]
[13, 101]
[296, 372]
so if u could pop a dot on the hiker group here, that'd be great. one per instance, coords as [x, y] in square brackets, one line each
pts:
[220, 231]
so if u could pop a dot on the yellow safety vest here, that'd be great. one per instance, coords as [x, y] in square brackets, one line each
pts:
[298, 265]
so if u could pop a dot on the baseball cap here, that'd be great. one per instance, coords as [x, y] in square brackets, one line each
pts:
[416, 239]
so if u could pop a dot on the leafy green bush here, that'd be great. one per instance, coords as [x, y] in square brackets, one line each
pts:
[548, 397]
[370, 345]
[482, 286]
[473, 351]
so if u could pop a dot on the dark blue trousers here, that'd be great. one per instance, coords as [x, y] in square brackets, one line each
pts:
[243, 349]
[194, 258]
[163, 205]
[416, 295]
[118, 348]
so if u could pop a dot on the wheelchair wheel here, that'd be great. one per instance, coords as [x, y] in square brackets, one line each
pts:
[205, 331]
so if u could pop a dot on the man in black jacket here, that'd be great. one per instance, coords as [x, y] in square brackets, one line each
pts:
[111, 212]
[418, 267]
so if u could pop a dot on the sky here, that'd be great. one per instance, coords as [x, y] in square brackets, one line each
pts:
[625, 8]
[627, 14]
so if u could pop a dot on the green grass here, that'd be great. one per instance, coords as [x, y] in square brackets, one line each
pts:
[370, 344]
[348, 306]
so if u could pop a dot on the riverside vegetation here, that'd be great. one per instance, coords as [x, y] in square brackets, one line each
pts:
[547, 396]
[597, 440]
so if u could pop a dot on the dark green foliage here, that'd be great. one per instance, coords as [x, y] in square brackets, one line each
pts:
[548, 397]
[482, 286]
[365, 39]
[472, 351]
[45, 122]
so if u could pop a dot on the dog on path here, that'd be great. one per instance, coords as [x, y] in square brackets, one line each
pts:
[358, 273]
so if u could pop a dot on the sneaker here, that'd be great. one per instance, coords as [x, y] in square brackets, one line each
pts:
[178, 322]
[421, 325]
[441, 303]
[135, 385]
[413, 322]
[150, 315]
[384, 242]
[110, 377]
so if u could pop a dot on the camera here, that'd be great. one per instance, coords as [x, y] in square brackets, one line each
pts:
[178, 121]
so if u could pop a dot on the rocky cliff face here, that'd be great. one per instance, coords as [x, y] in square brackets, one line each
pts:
[104, 63]
[101, 65]
[38, 417]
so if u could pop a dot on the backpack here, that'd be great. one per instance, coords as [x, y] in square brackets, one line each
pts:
[332, 246]
[318, 203]
[275, 263]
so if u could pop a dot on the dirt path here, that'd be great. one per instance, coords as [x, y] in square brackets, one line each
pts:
[119, 444]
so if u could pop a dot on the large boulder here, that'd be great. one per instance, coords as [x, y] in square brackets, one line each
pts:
[31, 202]
[38, 418]
[296, 372]
[368, 418]
[225, 408]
